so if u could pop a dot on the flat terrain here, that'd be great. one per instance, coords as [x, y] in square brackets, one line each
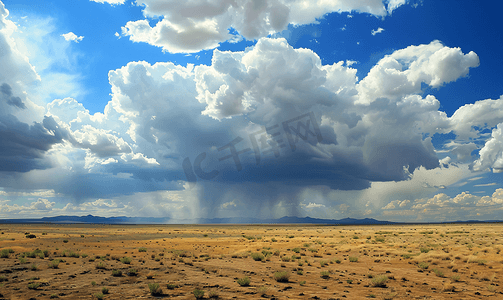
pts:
[50, 261]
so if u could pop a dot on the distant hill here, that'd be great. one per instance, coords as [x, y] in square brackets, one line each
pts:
[90, 219]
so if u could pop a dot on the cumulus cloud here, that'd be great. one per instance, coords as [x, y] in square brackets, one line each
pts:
[195, 26]
[394, 4]
[356, 142]
[376, 31]
[70, 36]
[491, 155]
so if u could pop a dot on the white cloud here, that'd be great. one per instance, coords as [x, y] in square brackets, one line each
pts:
[491, 155]
[70, 36]
[376, 31]
[486, 184]
[394, 4]
[195, 26]
[113, 2]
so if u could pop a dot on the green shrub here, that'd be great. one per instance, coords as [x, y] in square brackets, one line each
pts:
[132, 272]
[199, 294]
[325, 274]
[302, 282]
[438, 272]
[104, 290]
[54, 264]
[33, 285]
[281, 276]
[93, 283]
[99, 296]
[101, 265]
[257, 256]
[34, 267]
[424, 250]
[65, 241]
[379, 239]
[285, 259]
[245, 281]
[379, 281]
[213, 295]
[323, 263]
[353, 259]
[142, 249]
[171, 286]
[155, 289]
[116, 273]
[296, 250]
[126, 260]
[423, 265]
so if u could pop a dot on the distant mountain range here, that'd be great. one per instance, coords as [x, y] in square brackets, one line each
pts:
[90, 219]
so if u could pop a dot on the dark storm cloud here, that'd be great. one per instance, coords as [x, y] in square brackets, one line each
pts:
[23, 146]
[6, 96]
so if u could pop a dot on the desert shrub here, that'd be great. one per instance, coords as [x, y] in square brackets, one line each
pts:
[337, 261]
[116, 273]
[53, 296]
[257, 256]
[379, 281]
[65, 241]
[126, 260]
[245, 281]
[99, 296]
[33, 285]
[34, 267]
[296, 250]
[4, 254]
[199, 294]
[154, 288]
[285, 259]
[101, 265]
[300, 272]
[325, 274]
[213, 295]
[31, 236]
[142, 249]
[274, 240]
[379, 239]
[132, 272]
[323, 263]
[3, 278]
[73, 254]
[353, 259]
[302, 282]
[54, 264]
[313, 250]
[276, 253]
[424, 250]
[104, 290]
[171, 286]
[438, 272]
[93, 283]
[424, 265]
[281, 276]
[455, 278]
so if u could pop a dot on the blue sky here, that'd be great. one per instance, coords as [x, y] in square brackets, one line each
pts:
[109, 106]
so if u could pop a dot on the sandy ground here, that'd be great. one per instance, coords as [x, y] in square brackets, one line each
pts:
[321, 262]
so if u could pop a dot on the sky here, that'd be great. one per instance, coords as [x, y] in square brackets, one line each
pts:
[384, 109]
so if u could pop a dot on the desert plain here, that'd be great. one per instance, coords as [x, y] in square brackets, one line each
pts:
[82, 261]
